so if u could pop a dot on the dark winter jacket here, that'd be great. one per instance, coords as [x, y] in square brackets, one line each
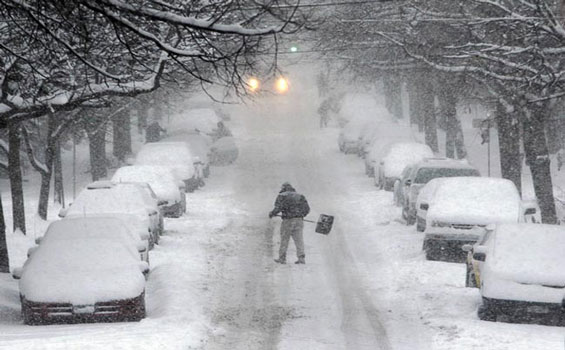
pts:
[291, 204]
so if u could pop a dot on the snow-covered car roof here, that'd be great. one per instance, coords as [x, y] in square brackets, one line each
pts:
[528, 253]
[475, 200]
[442, 167]
[175, 155]
[82, 272]
[119, 199]
[136, 223]
[204, 119]
[199, 144]
[161, 179]
[93, 227]
[401, 154]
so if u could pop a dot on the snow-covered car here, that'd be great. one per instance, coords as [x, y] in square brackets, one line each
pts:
[461, 207]
[79, 279]
[396, 158]
[366, 137]
[174, 155]
[519, 272]
[348, 139]
[385, 135]
[169, 191]
[119, 201]
[399, 194]
[422, 173]
[199, 145]
[223, 152]
[107, 227]
[204, 120]
[423, 202]
[142, 191]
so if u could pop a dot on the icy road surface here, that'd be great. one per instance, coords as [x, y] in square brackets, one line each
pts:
[214, 284]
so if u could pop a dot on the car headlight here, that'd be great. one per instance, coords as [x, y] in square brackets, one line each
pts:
[440, 224]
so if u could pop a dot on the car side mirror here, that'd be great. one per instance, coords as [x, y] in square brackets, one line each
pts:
[408, 182]
[424, 206]
[31, 250]
[530, 211]
[144, 267]
[63, 212]
[479, 256]
[38, 240]
[467, 247]
[17, 273]
[141, 247]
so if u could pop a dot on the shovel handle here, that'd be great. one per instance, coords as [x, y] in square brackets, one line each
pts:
[314, 222]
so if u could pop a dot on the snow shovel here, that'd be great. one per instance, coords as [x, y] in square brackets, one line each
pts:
[323, 225]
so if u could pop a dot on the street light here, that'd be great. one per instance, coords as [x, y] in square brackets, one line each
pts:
[282, 85]
[253, 84]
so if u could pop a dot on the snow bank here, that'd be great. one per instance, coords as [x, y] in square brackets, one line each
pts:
[475, 200]
[161, 180]
[401, 155]
[81, 272]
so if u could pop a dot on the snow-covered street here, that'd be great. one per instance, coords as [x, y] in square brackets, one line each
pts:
[214, 285]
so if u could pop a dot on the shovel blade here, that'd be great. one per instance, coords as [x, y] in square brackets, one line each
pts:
[324, 224]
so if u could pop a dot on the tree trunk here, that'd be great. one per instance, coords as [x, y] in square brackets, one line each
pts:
[454, 141]
[97, 146]
[427, 110]
[413, 102]
[509, 145]
[46, 175]
[4, 258]
[393, 94]
[121, 134]
[537, 157]
[141, 118]
[16, 181]
[59, 190]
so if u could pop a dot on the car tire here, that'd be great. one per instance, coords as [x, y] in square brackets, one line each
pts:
[485, 313]
[27, 315]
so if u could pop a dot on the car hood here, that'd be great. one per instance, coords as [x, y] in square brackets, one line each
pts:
[82, 286]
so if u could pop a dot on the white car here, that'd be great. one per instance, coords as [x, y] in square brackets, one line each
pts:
[397, 157]
[174, 155]
[386, 135]
[421, 174]
[224, 152]
[204, 120]
[107, 227]
[460, 209]
[126, 201]
[169, 191]
[199, 145]
[519, 273]
[82, 277]
[423, 202]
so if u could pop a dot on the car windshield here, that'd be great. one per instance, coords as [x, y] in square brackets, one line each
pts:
[426, 174]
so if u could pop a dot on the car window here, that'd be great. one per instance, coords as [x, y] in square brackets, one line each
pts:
[426, 174]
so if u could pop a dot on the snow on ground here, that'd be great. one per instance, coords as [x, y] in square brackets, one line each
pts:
[213, 284]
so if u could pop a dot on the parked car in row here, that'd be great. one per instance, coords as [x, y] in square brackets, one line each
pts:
[519, 272]
[126, 202]
[83, 270]
[169, 191]
[176, 156]
[397, 156]
[461, 207]
[420, 174]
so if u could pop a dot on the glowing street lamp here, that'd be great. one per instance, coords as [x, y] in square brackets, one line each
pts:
[253, 84]
[282, 85]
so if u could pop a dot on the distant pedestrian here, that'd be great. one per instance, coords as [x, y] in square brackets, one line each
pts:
[323, 111]
[153, 132]
[293, 208]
